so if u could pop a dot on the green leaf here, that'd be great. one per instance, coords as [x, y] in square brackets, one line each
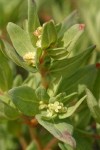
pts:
[68, 66]
[4, 98]
[20, 39]
[61, 97]
[49, 35]
[17, 81]
[72, 109]
[93, 105]
[32, 146]
[8, 112]
[33, 80]
[92, 20]
[58, 97]
[54, 86]
[83, 141]
[42, 94]
[25, 100]
[9, 11]
[81, 89]
[58, 27]
[33, 20]
[72, 36]
[58, 53]
[96, 89]
[25, 25]
[5, 74]
[65, 147]
[81, 76]
[61, 130]
[68, 22]
[82, 118]
[10, 52]
[69, 97]
[62, 147]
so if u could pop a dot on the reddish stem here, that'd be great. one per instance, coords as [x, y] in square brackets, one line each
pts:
[51, 144]
[43, 71]
[22, 142]
[31, 122]
[35, 138]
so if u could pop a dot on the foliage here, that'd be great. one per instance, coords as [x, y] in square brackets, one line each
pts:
[59, 84]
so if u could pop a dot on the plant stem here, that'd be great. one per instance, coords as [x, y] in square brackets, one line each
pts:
[31, 122]
[51, 144]
[43, 71]
[22, 142]
[35, 138]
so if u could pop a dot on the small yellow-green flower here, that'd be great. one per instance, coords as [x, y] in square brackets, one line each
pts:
[38, 43]
[52, 109]
[42, 105]
[30, 58]
[55, 106]
[38, 33]
[50, 113]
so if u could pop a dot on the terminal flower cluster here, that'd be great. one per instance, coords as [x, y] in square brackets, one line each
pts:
[30, 58]
[38, 33]
[53, 108]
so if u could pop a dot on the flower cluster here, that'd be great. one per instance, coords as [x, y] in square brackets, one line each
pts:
[38, 33]
[30, 58]
[53, 108]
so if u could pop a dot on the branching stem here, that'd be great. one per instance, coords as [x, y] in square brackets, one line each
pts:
[35, 138]
[51, 144]
[22, 142]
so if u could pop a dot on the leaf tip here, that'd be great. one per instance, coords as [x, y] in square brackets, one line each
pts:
[70, 140]
[9, 25]
[81, 26]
